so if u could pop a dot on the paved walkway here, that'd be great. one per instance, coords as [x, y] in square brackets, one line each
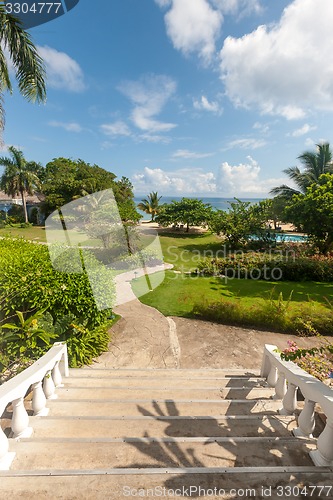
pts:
[143, 337]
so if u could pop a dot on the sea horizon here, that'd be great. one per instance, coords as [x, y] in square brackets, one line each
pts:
[217, 202]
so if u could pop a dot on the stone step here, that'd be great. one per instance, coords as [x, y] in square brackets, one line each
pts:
[67, 427]
[81, 392]
[44, 454]
[254, 482]
[160, 407]
[178, 373]
[164, 382]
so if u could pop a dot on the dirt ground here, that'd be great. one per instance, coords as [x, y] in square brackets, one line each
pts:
[210, 345]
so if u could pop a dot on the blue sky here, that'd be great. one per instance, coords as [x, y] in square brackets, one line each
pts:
[186, 97]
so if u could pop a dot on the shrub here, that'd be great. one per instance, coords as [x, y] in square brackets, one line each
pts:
[30, 283]
[252, 265]
[271, 314]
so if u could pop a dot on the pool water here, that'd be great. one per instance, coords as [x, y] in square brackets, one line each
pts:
[283, 237]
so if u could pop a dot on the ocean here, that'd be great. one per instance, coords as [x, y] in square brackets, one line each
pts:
[217, 203]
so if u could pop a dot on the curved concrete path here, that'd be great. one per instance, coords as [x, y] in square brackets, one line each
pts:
[143, 337]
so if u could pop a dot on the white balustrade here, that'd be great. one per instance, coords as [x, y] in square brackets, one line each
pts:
[287, 377]
[43, 376]
[38, 400]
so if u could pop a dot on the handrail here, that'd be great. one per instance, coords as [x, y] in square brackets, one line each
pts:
[43, 376]
[286, 377]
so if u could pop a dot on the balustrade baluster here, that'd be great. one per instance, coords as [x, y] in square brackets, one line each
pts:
[289, 400]
[20, 419]
[48, 386]
[56, 375]
[280, 387]
[323, 455]
[306, 420]
[273, 376]
[39, 400]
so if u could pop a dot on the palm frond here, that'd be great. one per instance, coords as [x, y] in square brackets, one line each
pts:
[29, 67]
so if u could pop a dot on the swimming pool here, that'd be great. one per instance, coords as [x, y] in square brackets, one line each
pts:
[297, 238]
[285, 237]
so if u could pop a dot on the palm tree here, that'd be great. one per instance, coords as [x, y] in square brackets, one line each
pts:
[315, 164]
[28, 65]
[19, 177]
[150, 205]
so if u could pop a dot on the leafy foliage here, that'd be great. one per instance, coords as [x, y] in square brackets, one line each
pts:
[29, 282]
[313, 212]
[315, 164]
[150, 205]
[28, 65]
[187, 211]
[19, 177]
[242, 221]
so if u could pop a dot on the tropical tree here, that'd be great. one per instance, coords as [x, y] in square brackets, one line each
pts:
[313, 212]
[28, 65]
[19, 177]
[315, 164]
[150, 205]
[187, 211]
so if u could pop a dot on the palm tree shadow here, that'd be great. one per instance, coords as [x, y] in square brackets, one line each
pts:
[212, 450]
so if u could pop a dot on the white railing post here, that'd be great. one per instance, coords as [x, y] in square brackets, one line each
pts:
[56, 375]
[48, 386]
[289, 400]
[306, 420]
[63, 365]
[280, 386]
[38, 400]
[323, 455]
[266, 364]
[20, 419]
[272, 376]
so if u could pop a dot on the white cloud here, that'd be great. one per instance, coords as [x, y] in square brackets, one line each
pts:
[244, 180]
[246, 143]
[116, 128]
[163, 3]
[303, 130]
[149, 95]
[284, 69]
[241, 7]
[193, 26]
[204, 105]
[153, 138]
[68, 126]
[61, 70]
[190, 155]
[262, 127]
[183, 181]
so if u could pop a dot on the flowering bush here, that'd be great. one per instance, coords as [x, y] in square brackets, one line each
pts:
[317, 361]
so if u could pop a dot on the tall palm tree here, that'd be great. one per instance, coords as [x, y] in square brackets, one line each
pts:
[28, 65]
[19, 177]
[315, 164]
[150, 205]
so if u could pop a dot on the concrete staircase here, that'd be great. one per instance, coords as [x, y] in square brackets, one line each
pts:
[113, 433]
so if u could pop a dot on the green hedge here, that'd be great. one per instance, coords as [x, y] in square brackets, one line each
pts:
[270, 267]
[29, 282]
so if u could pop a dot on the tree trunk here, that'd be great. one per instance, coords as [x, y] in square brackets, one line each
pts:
[187, 227]
[24, 207]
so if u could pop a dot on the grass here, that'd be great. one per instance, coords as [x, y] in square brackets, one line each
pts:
[244, 302]
[33, 233]
[177, 294]
[185, 250]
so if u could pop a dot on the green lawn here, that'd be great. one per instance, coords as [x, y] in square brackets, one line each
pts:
[178, 293]
[33, 233]
[184, 250]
